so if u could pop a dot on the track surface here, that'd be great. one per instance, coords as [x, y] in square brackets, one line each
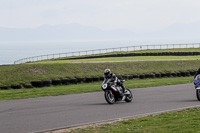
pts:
[40, 114]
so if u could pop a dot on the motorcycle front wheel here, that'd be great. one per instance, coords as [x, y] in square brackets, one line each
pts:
[109, 96]
[198, 94]
[129, 97]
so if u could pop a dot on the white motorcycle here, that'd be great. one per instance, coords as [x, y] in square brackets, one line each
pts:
[115, 93]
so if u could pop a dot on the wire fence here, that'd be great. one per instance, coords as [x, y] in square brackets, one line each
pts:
[107, 50]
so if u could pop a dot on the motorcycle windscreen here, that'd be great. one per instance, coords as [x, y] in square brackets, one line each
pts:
[106, 81]
[197, 80]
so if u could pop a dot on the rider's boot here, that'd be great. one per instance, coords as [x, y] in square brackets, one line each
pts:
[124, 89]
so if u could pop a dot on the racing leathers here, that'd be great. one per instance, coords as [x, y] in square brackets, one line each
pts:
[113, 79]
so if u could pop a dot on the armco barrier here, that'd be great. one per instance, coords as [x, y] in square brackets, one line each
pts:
[44, 83]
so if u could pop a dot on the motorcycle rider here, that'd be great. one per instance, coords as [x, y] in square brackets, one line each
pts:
[197, 72]
[108, 74]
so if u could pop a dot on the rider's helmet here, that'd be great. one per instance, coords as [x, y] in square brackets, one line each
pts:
[107, 73]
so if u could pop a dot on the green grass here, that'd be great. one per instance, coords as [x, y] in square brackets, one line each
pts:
[25, 73]
[147, 51]
[132, 58]
[85, 87]
[140, 51]
[185, 121]
[62, 69]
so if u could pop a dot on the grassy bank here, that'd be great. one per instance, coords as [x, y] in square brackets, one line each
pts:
[86, 87]
[185, 121]
[25, 73]
[63, 69]
[131, 58]
[143, 51]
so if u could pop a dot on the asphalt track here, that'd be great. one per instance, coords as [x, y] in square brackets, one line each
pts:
[56, 112]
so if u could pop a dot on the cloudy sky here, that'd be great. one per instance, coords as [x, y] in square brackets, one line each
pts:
[139, 16]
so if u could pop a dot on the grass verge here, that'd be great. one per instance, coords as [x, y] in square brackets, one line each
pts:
[185, 121]
[86, 87]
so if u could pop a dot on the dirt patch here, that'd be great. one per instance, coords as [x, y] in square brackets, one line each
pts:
[35, 70]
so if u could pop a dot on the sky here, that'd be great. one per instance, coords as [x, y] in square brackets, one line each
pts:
[139, 16]
[176, 21]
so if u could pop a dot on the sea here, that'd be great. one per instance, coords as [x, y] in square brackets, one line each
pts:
[12, 51]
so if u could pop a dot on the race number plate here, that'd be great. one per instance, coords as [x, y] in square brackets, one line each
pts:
[104, 86]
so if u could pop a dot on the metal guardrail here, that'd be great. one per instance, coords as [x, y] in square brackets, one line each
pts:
[107, 50]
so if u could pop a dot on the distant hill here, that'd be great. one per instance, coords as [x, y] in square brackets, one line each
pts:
[69, 32]
[77, 32]
[179, 30]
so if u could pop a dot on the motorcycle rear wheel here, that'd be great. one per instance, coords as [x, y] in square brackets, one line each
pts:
[198, 94]
[109, 96]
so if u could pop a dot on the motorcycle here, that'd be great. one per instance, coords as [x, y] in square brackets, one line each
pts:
[114, 92]
[197, 86]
